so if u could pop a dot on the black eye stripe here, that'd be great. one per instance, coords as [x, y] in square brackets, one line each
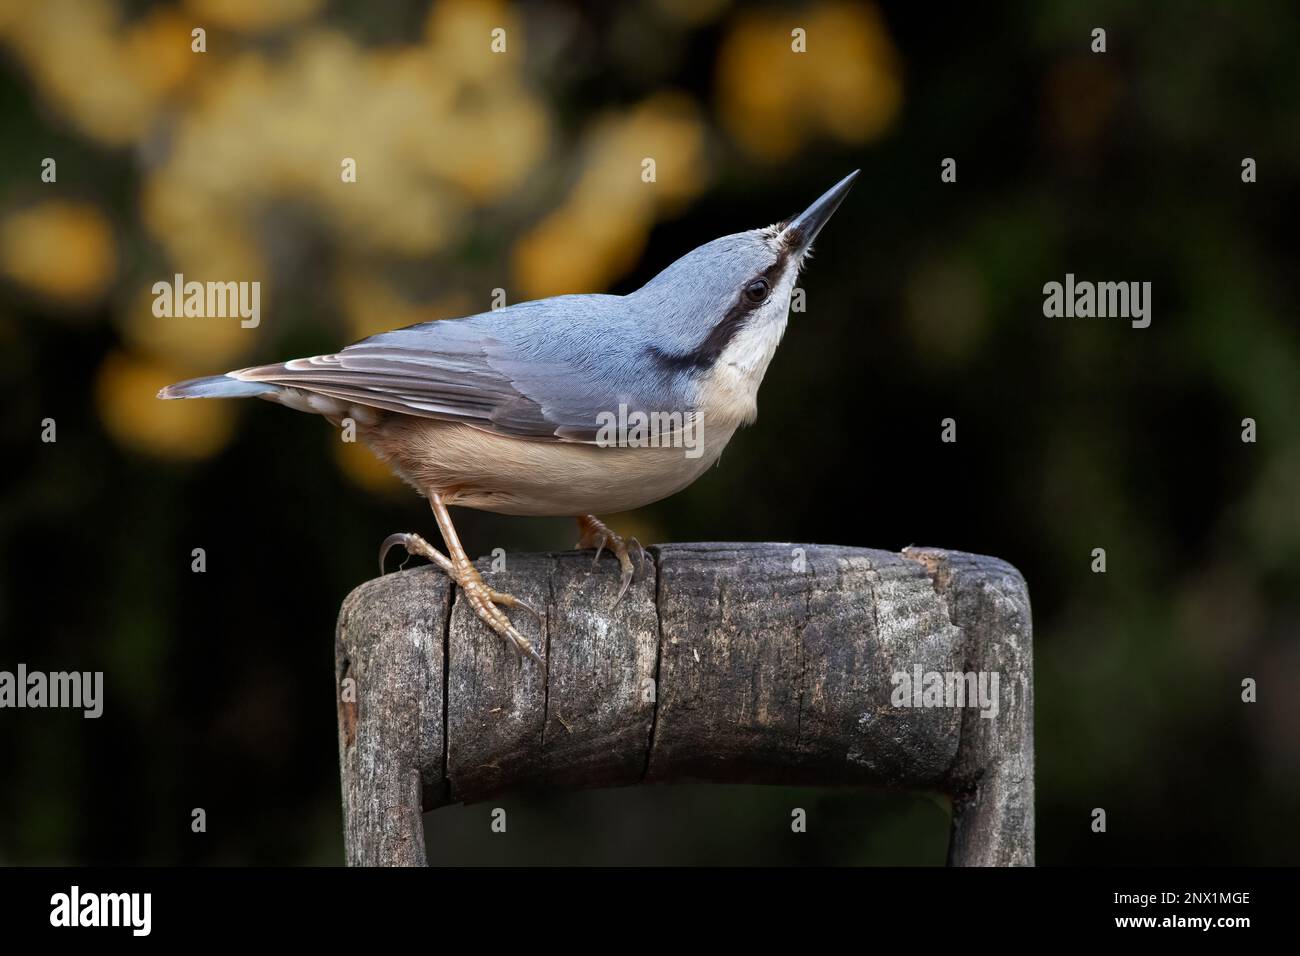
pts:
[706, 353]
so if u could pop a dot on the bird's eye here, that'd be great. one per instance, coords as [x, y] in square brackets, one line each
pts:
[757, 290]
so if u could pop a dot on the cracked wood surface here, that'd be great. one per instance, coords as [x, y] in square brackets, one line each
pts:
[740, 663]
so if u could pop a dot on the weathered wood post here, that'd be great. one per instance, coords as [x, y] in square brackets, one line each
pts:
[740, 663]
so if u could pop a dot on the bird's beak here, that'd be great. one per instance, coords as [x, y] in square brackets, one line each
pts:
[804, 227]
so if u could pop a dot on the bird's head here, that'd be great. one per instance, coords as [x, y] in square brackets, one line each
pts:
[723, 306]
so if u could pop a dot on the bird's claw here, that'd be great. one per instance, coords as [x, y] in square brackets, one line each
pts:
[595, 533]
[509, 600]
[482, 598]
[392, 541]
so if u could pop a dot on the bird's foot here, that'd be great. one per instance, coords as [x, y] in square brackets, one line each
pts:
[482, 598]
[596, 535]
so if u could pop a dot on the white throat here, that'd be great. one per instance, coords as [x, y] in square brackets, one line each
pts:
[729, 394]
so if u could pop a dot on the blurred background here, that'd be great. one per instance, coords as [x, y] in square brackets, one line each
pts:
[522, 171]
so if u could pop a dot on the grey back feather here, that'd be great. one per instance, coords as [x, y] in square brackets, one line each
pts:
[544, 369]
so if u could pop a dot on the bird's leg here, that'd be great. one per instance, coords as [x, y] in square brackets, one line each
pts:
[596, 535]
[459, 568]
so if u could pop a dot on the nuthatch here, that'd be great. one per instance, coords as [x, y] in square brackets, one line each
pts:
[511, 410]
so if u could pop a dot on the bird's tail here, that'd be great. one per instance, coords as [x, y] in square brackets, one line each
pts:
[217, 386]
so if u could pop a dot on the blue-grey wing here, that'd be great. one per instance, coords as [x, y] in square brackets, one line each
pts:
[541, 370]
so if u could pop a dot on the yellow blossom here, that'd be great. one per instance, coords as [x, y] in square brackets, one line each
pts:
[59, 249]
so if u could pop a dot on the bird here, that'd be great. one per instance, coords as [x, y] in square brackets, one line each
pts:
[523, 410]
